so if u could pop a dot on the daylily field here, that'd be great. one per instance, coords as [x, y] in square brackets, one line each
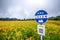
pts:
[27, 30]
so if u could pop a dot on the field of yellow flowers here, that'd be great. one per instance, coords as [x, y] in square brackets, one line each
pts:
[27, 30]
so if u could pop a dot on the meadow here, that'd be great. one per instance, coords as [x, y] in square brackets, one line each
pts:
[27, 30]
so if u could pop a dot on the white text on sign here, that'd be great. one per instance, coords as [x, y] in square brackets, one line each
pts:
[41, 16]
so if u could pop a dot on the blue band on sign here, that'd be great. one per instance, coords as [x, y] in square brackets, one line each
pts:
[41, 16]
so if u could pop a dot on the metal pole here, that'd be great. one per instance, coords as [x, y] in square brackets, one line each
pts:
[41, 37]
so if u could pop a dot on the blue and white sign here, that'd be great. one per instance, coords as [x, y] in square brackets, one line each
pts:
[41, 16]
[41, 30]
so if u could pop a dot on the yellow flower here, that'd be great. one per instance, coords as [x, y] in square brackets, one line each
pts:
[18, 34]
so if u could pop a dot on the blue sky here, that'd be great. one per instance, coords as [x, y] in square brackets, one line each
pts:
[27, 8]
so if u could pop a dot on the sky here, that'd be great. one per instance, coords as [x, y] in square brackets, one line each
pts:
[27, 8]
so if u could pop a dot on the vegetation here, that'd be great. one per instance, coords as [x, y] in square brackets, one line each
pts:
[27, 30]
[55, 18]
[15, 19]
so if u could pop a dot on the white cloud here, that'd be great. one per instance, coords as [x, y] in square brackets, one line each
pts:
[27, 8]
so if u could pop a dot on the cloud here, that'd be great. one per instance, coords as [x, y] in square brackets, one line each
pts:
[27, 8]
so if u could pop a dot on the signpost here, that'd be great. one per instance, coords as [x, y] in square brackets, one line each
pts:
[41, 17]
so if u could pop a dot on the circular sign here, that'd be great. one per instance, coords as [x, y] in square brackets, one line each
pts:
[41, 16]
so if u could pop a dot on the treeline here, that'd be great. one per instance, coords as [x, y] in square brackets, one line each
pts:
[8, 18]
[54, 18]
[15, 19]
